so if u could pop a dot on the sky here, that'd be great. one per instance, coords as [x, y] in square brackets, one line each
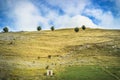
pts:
[26, 15]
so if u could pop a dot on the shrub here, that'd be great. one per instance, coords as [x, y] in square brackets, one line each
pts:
[76, 29]
[39, 28]
[5, 29]
[47, 67]
[49, 56]
[11, 43]
[52, 28]
[38, 57]
[83, 27]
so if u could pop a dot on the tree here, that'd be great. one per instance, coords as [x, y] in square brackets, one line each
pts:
[39, 28]
[52, 28]
[83, 27]
[5, 29]
[76, 29]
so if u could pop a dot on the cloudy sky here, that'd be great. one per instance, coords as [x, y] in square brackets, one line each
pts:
[26, 15]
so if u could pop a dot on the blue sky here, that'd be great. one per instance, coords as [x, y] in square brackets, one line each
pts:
[26, 15]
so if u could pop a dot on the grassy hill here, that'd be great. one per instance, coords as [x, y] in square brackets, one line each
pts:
[93, 54]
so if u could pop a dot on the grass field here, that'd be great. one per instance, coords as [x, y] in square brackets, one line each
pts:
[85, 73]
[92, 54]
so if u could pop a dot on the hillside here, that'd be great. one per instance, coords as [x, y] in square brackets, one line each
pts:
[92, 54]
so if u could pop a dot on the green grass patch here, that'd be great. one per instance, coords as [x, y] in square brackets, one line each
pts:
[84, 73]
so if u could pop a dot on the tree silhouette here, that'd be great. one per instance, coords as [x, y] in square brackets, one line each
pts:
[39, 28]
[52, 28]
[76, 29]
[5, 29]
[83, 27]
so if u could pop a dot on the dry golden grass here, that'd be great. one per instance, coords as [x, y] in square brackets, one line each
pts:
[26, 53]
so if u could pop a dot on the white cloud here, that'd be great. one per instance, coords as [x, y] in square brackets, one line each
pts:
[28, 16]
[107, 20]
[67, 21]
[75, 21]
[70, 7]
